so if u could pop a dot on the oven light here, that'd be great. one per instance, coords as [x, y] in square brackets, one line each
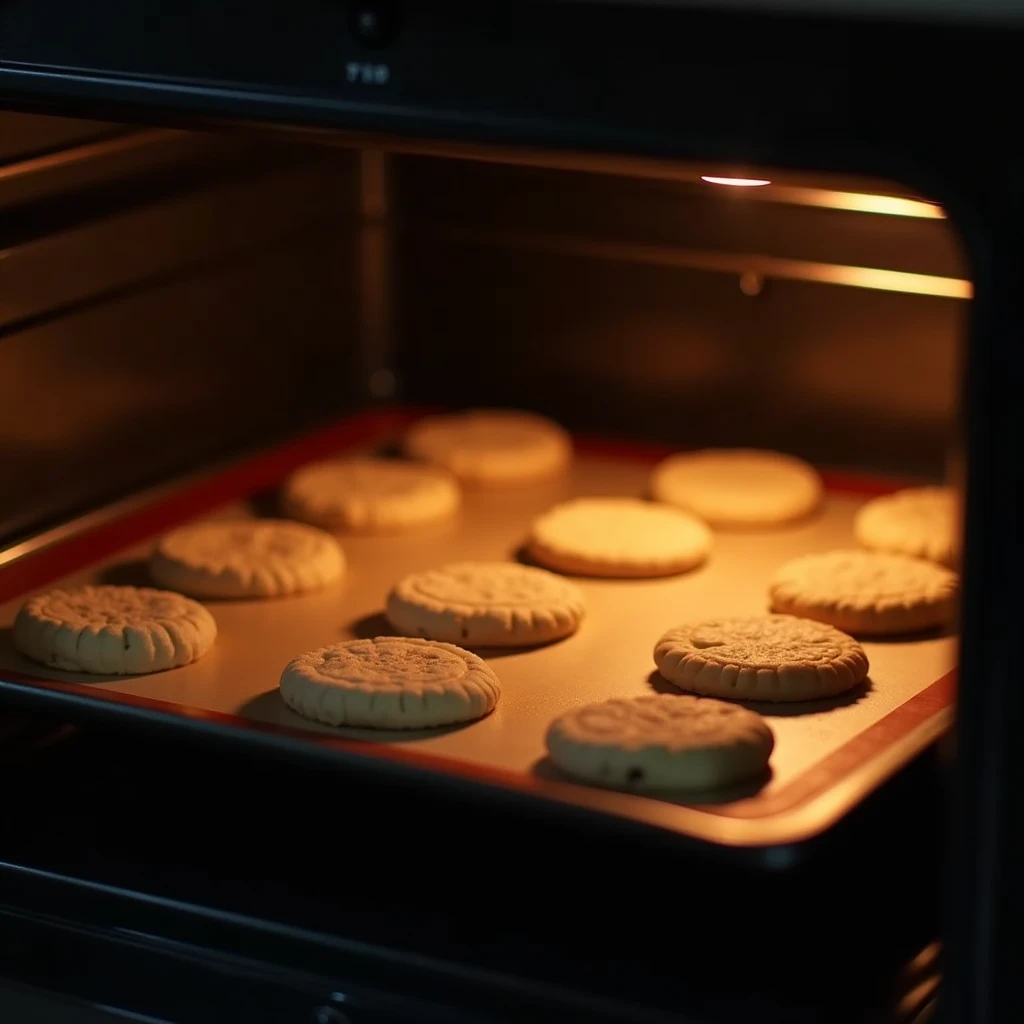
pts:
[737, 182]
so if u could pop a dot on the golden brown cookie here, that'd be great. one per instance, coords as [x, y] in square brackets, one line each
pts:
[246, 558]
[919, 521]
[486, 604]
[390, 683]
[618, 537]
[660, 742]
[866, 593]
[738, 487]
[492, 447]
[364, 495]
[113, 630]
[765, 657]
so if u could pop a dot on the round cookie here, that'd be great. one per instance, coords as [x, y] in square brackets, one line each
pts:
[390, 683]
[365, 495]
[918, 521]
[486, 604]
[246, 558]
[738, 487]
[866, 593]
[113, 630]
[618, 537]
[492, 447]
[767, 657]
[661, 742]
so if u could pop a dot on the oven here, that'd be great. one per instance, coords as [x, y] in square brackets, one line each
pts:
[241, 239]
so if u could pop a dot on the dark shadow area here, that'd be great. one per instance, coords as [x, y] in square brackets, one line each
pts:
[127, 574]
[269, 707]
[521, 554]
[267, 504]
[777, 709]
[917, 637]
[787, 709]
[391, 449]
[490, 653]
[370, 626]
[659, 684]
[546, 769]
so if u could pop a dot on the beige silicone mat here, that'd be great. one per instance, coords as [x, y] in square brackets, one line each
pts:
[827, 755]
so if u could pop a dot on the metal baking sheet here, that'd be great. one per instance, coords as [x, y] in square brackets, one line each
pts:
[828, 754]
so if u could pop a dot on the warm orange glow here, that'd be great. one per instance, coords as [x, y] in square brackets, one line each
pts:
[738, 182]
[760, 265]
[860, 202]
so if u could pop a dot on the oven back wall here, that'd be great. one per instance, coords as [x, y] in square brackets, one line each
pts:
[678, 312]
[165, 299]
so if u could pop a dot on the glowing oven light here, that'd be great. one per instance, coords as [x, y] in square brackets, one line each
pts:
[736, 182]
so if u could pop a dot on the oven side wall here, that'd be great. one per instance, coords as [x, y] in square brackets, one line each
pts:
[165, 299]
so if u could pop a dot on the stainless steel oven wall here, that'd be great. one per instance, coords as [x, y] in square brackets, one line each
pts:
[682, 311]
[165, 298]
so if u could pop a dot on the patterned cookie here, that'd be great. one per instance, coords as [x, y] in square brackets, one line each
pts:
[486, 604]
[390, 683]
[364, 495]
[661, 742]
[919, 521]
[738, 487]
[113, 630]
[768, 657]
[866, 593]
[246, 558]
[618, 537]
[492, 447]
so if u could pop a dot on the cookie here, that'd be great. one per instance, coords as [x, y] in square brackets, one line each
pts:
[364, 495]
[113, 630]
[920, 521]
[246, 558]
[661, 742]
[486, 604]
[866, 593]
[767, 657]
[390, 683]
[492, 447]
[738, 487]
[618, 537]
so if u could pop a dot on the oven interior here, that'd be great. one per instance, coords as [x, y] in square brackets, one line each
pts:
[177, 300]
[173, 298]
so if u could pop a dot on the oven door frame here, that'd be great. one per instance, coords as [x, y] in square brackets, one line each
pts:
[900, 101]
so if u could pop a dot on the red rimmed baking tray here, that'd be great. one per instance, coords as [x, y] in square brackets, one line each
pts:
[828, 756]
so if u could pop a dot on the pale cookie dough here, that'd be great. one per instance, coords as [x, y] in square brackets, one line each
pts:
[618, 537]
[768, 657]
[866, 593]
[113, 630]
[492, 447]
[390, 683]
[366, 495]
[738, 487]
[919, 521]
[486, 604]
[661, 742]
[246, 558]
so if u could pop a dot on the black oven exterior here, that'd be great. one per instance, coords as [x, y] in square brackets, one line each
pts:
[928, 104]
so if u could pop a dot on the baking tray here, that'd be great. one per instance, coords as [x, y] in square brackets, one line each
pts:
[829, 754]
